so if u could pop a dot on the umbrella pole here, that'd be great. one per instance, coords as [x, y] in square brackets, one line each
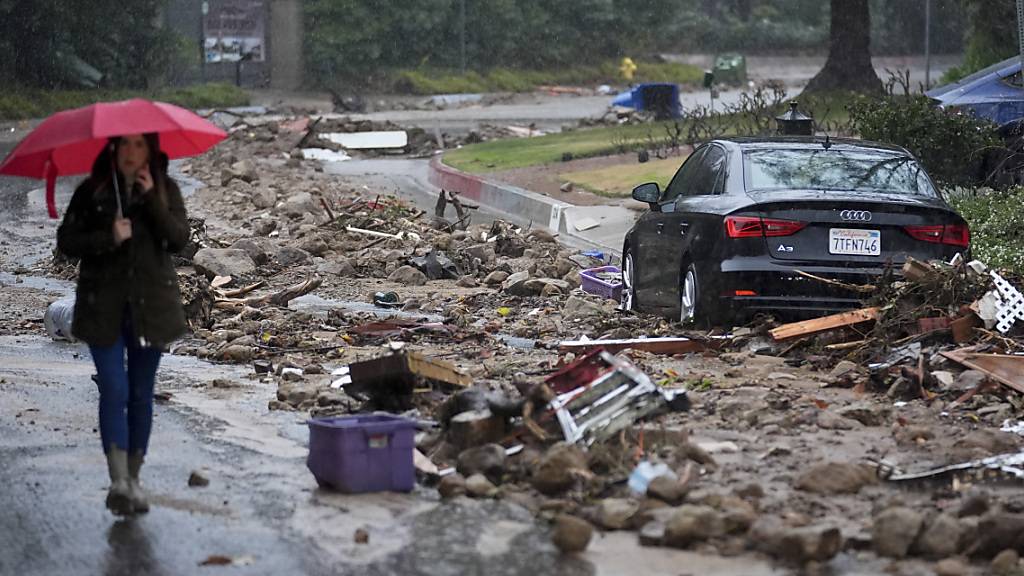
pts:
[117, 185]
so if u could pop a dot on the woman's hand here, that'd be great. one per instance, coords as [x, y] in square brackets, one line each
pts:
[144, 178]
[122, 230]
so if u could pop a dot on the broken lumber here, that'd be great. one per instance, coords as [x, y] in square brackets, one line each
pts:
[916, 271]
[476, 428]
[1009, 370]
[653, 345]
[280, 298]
[806, 327]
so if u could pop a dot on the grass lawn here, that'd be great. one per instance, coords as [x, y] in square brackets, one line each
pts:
[496, 155]
[618, 181]
[22, 103]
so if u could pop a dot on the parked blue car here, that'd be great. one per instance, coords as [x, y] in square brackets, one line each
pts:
[995, 93]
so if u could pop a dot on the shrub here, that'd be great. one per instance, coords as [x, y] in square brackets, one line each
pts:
[952, 146]
[997, 225]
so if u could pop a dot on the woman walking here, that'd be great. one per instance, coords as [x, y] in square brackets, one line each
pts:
[124, 221]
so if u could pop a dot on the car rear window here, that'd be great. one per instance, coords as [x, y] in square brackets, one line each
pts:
[835, 169]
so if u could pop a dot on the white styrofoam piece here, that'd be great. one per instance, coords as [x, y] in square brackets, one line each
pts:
[370, 140]
[324, 155]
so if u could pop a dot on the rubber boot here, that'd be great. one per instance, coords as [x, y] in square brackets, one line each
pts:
[140, 504]
[119, 496]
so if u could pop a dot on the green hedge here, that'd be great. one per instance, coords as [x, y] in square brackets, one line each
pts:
[997, 225]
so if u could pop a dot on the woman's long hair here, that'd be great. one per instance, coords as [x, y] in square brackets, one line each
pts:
[103, 166]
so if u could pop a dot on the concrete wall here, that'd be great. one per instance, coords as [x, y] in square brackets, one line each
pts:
[285, 39]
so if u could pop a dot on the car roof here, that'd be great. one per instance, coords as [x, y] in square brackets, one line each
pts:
[807, 143]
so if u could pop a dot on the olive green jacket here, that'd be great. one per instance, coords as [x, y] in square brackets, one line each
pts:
[137, 275]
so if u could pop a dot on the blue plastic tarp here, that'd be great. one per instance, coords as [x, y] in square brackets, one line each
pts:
[994, 93]
[661, 98]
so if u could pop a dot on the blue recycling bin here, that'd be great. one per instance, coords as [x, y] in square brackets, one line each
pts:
[661, 98]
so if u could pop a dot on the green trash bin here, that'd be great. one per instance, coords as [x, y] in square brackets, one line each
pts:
[731, 68]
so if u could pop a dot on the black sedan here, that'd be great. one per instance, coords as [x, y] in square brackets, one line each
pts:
[741, 216]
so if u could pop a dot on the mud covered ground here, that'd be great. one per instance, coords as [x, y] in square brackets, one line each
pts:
[777, 461]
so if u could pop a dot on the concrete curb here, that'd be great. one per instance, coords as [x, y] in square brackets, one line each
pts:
[526, 208]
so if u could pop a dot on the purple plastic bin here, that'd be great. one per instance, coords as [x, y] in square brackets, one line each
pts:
[370, 453]
[594, 285]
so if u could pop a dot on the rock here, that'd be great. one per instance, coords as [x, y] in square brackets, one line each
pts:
[361, 536]
[478, 486]
[235, 353]
[667, 489]
[263, 198]
[213, 262]
[292, 256]
[752, 491]
[496, 277]
[940, 538]
[552, 285]
[408, 276]
[998, 531]
[198, 479]
[295, 393]
[550, 290]
[571, 534]
[817, 543]
[475, 428]
[488, 459]
[466, 282]
[974, 504]
[969, 379]
[263, 227]
[566, 187]
[515, 285]
[451, 486]
[559, 469]
[253, 248]
[298, 205]
[483, 252]
[894, 530]
[844, 368]
[314, 246]
[342, 267]
[990, 441]
[245, 170]
[944, 379]
[691, 524]
[578, 307]
[652, 533]
[902, 389]
[952, 567]
[866, 413]
[616, 513]
[1005, 563]
[738, 515]
[836, 478]
[828, 420]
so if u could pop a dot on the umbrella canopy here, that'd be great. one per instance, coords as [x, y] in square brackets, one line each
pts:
[68, 142]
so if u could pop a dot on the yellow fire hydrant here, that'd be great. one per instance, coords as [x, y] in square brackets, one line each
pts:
[627, 68]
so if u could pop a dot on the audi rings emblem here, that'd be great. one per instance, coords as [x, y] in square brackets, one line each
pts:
[856, 215]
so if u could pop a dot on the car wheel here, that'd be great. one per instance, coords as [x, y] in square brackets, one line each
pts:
[689, 296]
[627, 300]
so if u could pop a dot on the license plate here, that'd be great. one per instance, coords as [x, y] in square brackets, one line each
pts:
[854, 242]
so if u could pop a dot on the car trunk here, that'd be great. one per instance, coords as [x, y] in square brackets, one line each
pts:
[856, 228]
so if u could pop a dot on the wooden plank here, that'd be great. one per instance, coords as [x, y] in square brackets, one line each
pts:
[653, 345]
[816, 325]
[1004, 368]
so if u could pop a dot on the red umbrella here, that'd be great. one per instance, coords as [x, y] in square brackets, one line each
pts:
[68, 142]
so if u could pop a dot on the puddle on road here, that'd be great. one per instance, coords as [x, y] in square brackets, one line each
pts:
[62, 287]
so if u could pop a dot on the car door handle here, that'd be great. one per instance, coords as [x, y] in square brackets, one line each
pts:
[683, 227]
[661, 227]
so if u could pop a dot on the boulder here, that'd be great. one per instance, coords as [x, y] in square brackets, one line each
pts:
[408, 276]
[515, 285]
[578, 307]
[213, 262]
[342, 267]
[451, 486]
[255, 249]
[616, 513]
[292, 256]
[998, 531]
[940, 538]
[1005, 563]
[263, 198]
[559, 469]
[314, 246]
[571, 534]
[952, 567]
[496, 277]
[483, 252]
[488, 459]
[894, 530]
[836, 478]
[667, 489]
[478, 486]
[817, 543]
[298, 205]
[692, 524]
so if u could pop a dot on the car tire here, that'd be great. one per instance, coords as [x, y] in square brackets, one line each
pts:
[694, 305]
[627, 300]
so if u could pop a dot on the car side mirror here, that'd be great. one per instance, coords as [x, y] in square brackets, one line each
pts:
[648, 192]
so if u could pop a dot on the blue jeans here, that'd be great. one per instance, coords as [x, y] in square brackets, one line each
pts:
[126, 395]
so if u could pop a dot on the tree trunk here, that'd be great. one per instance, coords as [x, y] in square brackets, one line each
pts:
[849, 56]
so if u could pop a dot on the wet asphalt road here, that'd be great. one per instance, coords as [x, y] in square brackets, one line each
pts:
[262, 508]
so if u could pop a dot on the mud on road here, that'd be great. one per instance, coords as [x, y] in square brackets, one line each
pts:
[776, 461]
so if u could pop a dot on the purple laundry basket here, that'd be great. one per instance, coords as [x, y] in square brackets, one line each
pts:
[594, 285]
[368, 453]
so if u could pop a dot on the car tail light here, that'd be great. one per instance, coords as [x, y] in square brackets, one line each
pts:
[952, 234]
[754, 227]
[744, 293]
